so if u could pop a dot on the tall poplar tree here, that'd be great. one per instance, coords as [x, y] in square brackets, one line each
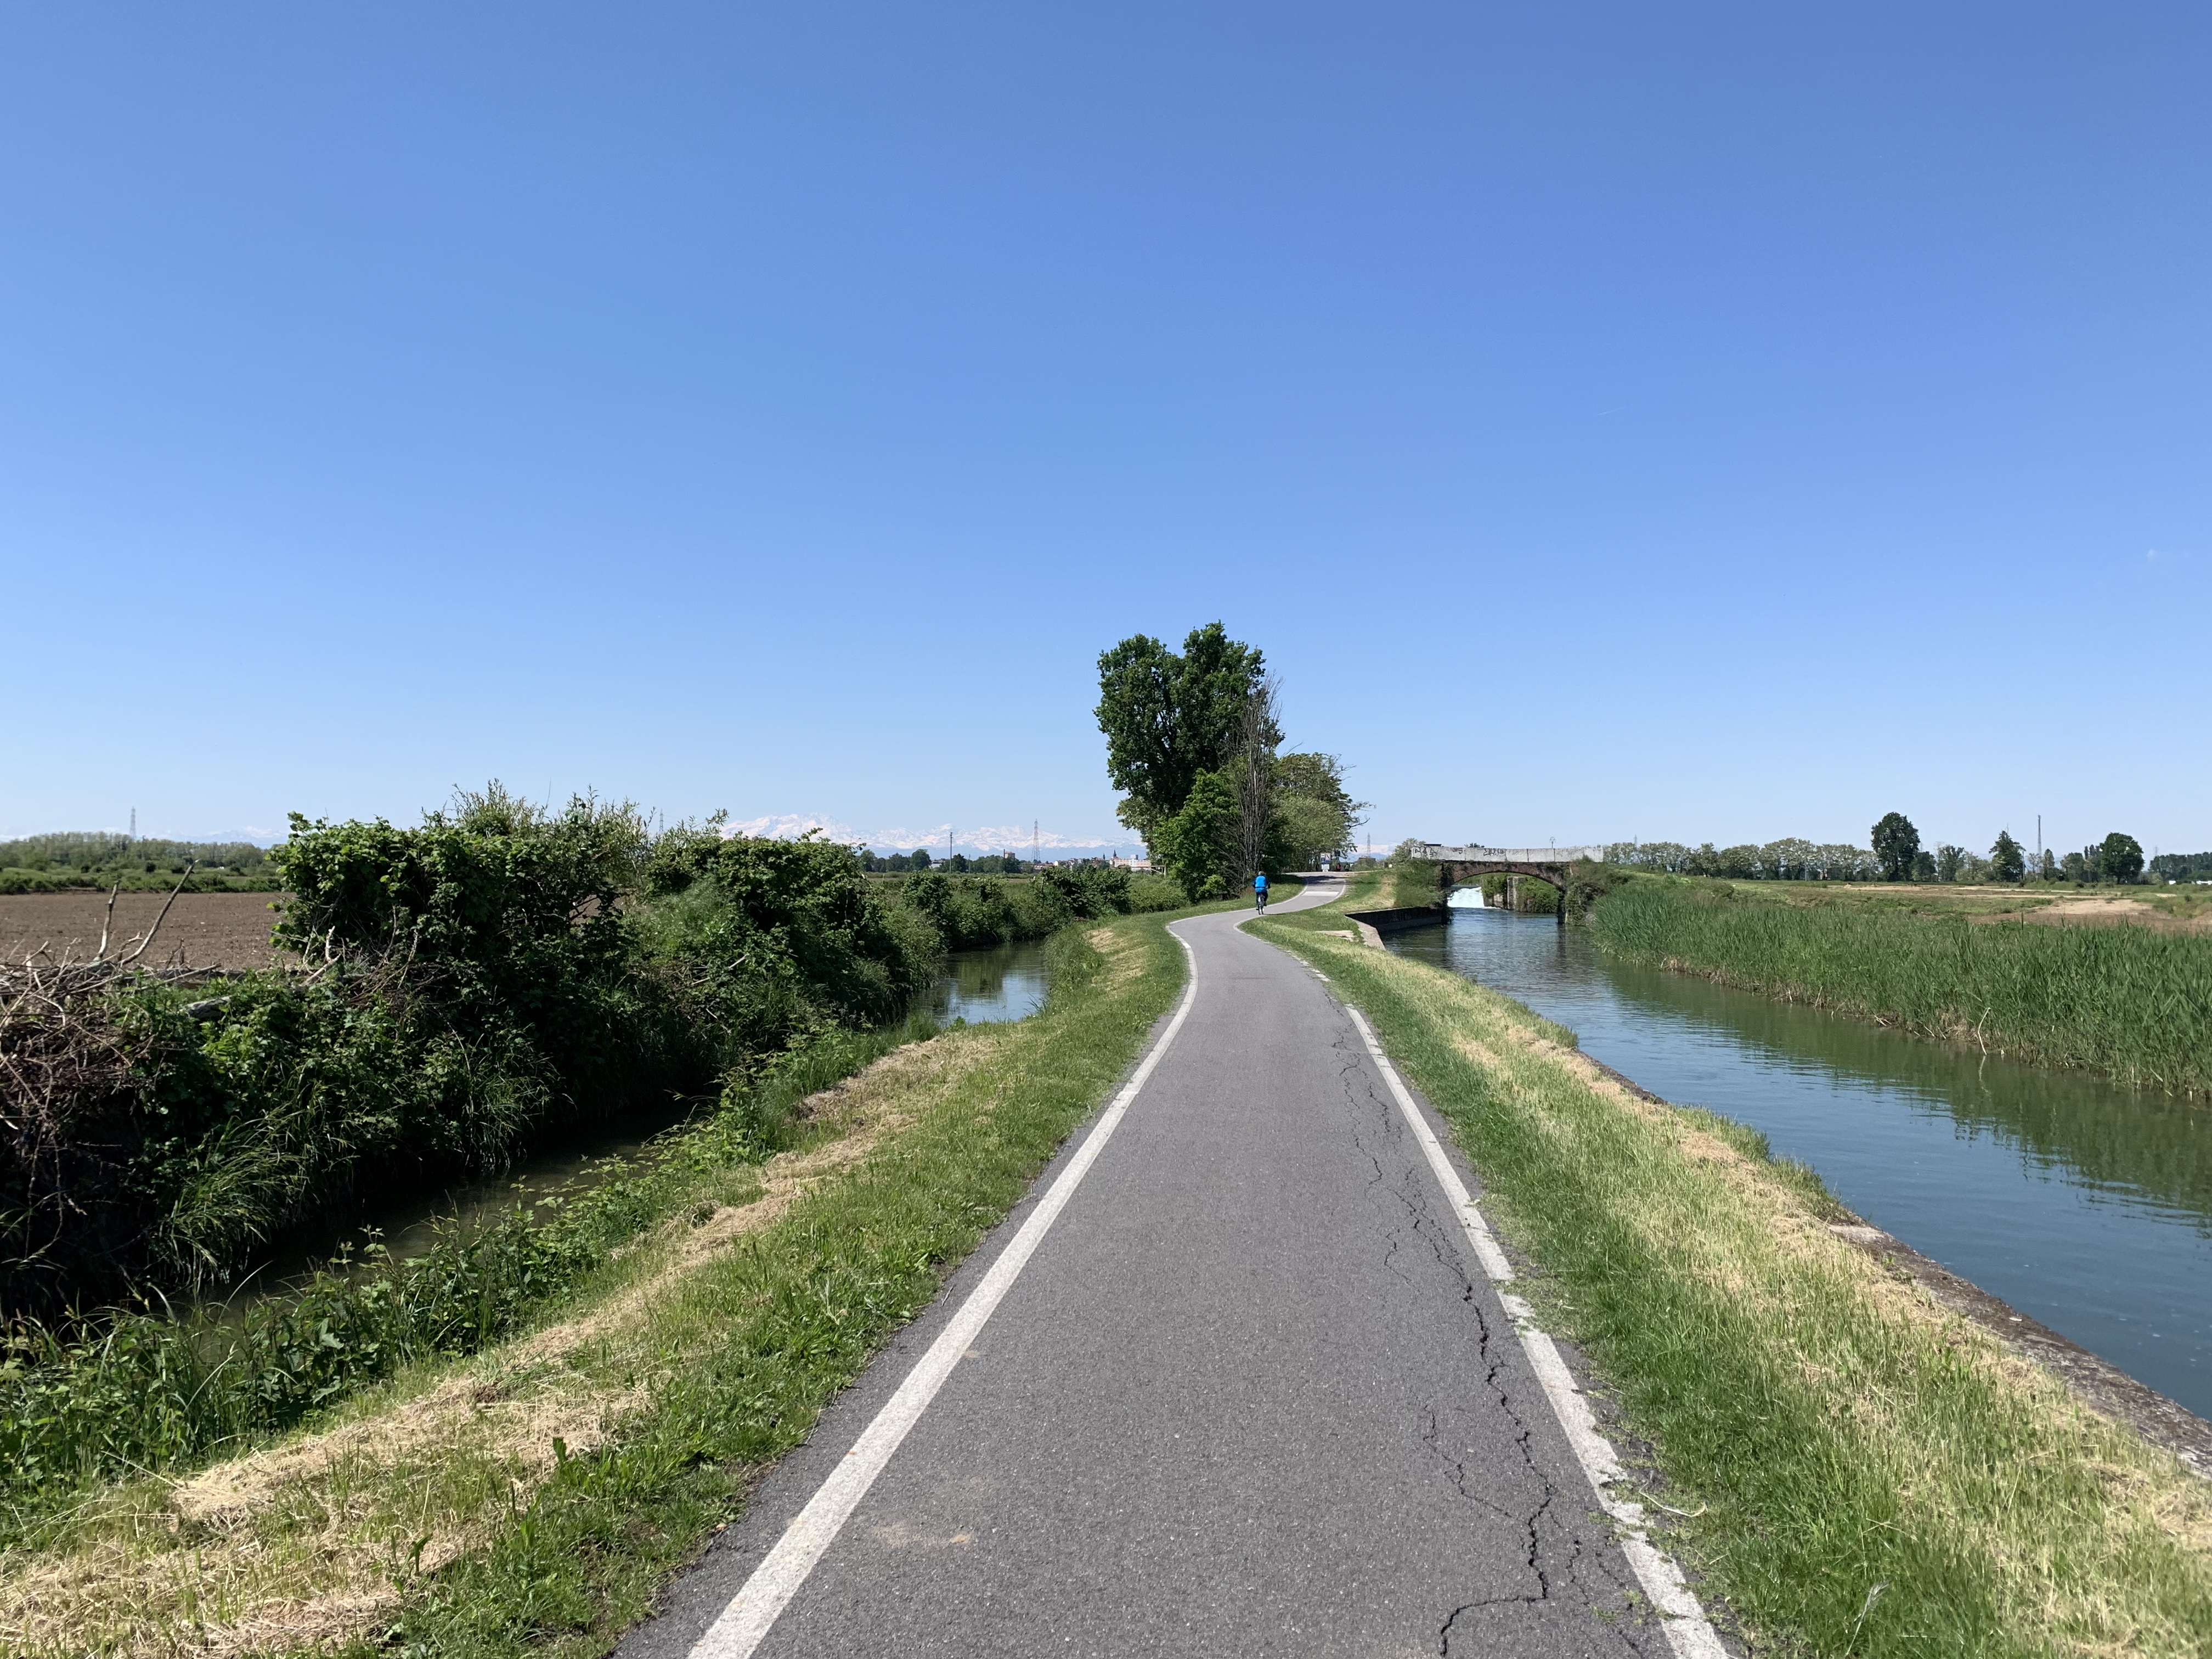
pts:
[1169, 717]
[2007, 861]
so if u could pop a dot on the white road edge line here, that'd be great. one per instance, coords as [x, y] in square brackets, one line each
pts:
[1688, 1631]
[740, 1627]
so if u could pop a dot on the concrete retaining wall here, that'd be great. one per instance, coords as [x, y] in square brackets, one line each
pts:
[1373, 924]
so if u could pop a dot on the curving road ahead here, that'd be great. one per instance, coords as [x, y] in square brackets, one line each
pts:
[1245, 1388]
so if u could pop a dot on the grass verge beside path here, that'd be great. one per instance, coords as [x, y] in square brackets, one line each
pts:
[531, 1499]
[1864, 1472]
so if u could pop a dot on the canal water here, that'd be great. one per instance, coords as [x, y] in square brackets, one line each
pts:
[1001, 983]
[2082, 1204]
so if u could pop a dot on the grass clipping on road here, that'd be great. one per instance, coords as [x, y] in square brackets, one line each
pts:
[1865, 1474]
[530, 1499]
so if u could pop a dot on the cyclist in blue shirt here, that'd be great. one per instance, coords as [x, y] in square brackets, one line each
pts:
[1260, 891]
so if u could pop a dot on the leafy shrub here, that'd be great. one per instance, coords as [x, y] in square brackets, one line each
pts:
[966, 913]
[140, 1390]
[1091, 890]
[781, 936]
[1155, 892]
[1197, 842]
[493, 978]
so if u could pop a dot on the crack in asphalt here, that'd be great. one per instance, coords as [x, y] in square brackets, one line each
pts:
[1371, 1115]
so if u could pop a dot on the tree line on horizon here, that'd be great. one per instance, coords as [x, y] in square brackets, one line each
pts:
[988, 863]
[1897, 855]
[65, 858]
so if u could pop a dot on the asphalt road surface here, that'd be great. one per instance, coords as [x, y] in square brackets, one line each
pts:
[1250, 1395]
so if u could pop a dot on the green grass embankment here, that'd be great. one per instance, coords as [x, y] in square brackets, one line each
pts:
[2130, 1003]
[1862, 1472]
[530, 1499]
[1391, 887]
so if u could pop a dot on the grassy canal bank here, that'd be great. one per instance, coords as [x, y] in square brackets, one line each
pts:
[529, 1499]
[1861, 1474]
[2131, 1002]
[1854, 1469]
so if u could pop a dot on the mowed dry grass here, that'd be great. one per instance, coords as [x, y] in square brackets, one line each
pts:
[305, 1546]
[213, 930]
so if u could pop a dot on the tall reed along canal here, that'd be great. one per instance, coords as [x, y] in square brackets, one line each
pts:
[2082, 1205]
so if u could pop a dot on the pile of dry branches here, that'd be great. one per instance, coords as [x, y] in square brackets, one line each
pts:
[65, 1059]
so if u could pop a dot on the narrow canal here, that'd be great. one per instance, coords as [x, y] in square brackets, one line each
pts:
[2083, 1204]
[1003, 981]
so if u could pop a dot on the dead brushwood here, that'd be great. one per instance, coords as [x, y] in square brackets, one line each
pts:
[64, 1057]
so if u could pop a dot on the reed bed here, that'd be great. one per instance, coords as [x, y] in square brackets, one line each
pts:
[2132, 1004]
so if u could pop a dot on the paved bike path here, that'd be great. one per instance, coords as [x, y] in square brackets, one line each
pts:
[1250, 1395]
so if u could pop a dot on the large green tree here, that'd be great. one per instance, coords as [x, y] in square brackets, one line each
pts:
[1896, 844]
[1317, 812]
[1170, 716]
[2120, 857]
[1198, 843]
[2007, 861]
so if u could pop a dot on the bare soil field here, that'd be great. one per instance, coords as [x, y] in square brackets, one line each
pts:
[213, 930]
[2161, 910]
[2122, 912]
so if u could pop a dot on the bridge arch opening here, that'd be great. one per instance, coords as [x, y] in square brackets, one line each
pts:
[1523, 894]
[1550, 865]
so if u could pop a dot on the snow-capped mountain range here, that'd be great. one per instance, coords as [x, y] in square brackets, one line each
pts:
[987, 838]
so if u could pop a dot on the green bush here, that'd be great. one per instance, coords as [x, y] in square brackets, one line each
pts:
[966, 913]
[1155, 892]
[142, 1390]
[787, 933]
[1197, 843]
[496, 976]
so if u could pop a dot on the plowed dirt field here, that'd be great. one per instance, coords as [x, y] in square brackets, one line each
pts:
[214, 930]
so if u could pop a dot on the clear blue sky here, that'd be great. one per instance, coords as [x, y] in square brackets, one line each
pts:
[1677, 421]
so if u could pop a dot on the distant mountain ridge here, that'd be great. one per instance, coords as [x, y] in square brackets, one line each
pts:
[1006, 838]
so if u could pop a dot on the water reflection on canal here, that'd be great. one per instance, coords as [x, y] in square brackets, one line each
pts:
[2082, 1204]
[1000, 982]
